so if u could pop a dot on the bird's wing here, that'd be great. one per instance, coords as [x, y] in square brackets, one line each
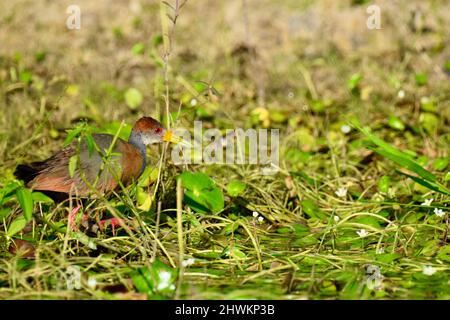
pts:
[101, 172]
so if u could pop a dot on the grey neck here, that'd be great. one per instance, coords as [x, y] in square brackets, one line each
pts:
[136, 140]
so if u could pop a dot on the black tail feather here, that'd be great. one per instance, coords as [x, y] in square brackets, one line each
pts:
[26, 172]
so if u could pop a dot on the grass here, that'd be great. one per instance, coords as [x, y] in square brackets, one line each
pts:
[364, 122]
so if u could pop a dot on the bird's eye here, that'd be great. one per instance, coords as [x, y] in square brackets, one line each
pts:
[158, 130]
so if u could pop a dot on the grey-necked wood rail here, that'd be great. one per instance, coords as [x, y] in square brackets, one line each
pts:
[127, 162]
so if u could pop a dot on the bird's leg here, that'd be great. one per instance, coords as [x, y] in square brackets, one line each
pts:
[113, 222]
[72, 217]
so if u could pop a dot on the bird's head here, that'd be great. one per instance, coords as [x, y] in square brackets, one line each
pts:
[151, 131]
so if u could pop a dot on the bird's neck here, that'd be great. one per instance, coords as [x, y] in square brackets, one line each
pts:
[136, 140]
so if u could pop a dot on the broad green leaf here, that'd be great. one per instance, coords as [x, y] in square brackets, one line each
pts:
[26, 202]
[201, 193]
[396, 123]
[16, 226]
[421, 79]
[236, 188]
[138, 48]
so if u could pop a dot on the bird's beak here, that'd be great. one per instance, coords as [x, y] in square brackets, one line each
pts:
[169, 136]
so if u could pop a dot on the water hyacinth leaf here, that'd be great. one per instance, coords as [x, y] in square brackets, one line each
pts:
[236, 188]
[16, 226]
[421, 79]
[138, 48]
[201, 193]
[133, 98]
[396, 123]
[26, 202]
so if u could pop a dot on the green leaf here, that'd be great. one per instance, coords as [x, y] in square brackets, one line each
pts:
[441, 164]
[40, 197]
[236, 188]
[16, 226]
[354, 80]
[90, 144]
[384, 183]
[133, 98]
[312, 210]
[4, 212]
[421, 79]
[72, 134]
[138, 48]
[407, 163]
[73, 165]
[396, 123]
[201, 193]
[26, 202]
[156, 279]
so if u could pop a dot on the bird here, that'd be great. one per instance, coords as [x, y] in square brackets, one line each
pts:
[126, 162]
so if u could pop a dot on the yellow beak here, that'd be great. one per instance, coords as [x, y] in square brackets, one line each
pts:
[169, 136]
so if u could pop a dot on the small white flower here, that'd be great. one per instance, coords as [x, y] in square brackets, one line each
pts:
[428, 270]
[362, 233]
[290, 94]
[255, 214]
[380, 250]
[346, 129]
[401, 94]
[260, 219]
[439, 212]
[341, 192]
[164, 280]
[427, 202]
[188, 262]
[92, 283]
[194, 102]
[336, 218]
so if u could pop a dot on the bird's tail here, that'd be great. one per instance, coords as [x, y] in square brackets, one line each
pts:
[26, 172]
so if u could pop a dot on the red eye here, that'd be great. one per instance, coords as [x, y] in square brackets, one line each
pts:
[158, 130]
